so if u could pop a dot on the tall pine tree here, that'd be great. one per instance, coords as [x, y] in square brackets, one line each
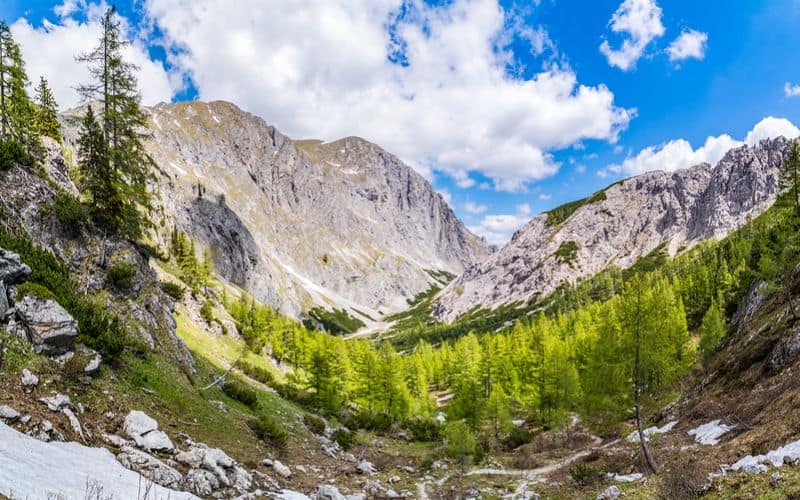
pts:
[47, 112]
[129, 167]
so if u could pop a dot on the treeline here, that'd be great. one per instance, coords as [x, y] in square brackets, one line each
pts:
[23, 120]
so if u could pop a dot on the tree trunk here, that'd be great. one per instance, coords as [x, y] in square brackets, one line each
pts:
[651, 463]
[648, 457]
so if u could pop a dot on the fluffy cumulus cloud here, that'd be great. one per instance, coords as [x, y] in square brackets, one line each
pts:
[50, 50]
[639, 23]
[679, 153]
[475, 208]
[430, 83]
[691, 44]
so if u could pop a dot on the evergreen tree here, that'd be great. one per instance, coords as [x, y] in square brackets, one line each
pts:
[712, 329]
[47, 112]
[790, 177]
[6, 68]
[16, 108]
[114, 85]
[93, 162]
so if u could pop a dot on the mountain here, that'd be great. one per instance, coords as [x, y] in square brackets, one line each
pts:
[619, 225]
[301, 224]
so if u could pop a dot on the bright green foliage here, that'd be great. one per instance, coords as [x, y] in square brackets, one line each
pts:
[567, 252]
[121, 276]
[16, 108]
[12, 153]
[461, 443]
[790, 177]
[712, 329]
[269, 429]
[335, 322]
[72, 214]
[195, 273]
[46, 117]
[126, 163]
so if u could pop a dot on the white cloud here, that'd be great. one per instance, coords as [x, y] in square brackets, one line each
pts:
[640, 20]
[678, 153]
[324, 68]
[690, 44]
[50, 49]
[498, 229]
[475, 208]
[771, 127]
[790, 90]
[545, 196]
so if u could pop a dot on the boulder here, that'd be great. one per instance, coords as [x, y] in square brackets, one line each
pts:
[12, 270]
[610, 493]
[282, 470]
[57, 402]
[328, 492]
[5, 304]
[785, 352]
[144, 431]
[29, 380]
[150, 467]
[8, 413]
[49, 326]
[201, 482]
[365, 467]
[154, 441]
[93, 366]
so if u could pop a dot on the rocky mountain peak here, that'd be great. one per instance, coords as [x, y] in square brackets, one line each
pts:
[620, 224]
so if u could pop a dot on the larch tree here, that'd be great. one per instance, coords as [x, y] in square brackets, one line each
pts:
[790, 176]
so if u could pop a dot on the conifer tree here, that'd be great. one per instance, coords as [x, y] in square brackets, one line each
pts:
[790, 176]
[115, 86]
[47, 112]
[5, 80]
[712, 329]
[93, 162]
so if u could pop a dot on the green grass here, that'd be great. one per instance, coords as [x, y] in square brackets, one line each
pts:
[567, 252]
[563, 212]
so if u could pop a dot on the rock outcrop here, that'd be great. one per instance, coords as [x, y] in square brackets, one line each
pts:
[617, 226]
[301, 224]
[49, 326]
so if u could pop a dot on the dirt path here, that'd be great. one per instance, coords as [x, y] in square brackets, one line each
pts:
[529, 475]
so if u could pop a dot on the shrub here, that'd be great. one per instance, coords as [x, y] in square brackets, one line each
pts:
[424, 429]
[343, 437]
[567, 252]
[461, 443]
[256, 372]
[173, 290]
[12, 153]
[314, 423]
[370, 421]
[584, 474]
[72, 214]
[684, 480]
[267, 429]
[207, 312]
[240, 392]
[35, 290]
[121, 275]
[517, 437]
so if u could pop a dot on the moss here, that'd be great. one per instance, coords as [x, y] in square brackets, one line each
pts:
[35, 290]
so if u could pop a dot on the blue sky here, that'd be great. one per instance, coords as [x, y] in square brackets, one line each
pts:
[509, 108]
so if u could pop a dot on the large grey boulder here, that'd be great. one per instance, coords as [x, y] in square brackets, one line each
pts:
[144, 431]
[49, 326]
[5, 304]
[150, 467]
[12, 270]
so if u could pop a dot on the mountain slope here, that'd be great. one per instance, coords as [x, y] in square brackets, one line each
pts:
[617, 226]
[301, 224]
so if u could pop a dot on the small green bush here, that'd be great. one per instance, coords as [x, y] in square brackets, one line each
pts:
[207, 312]
[314, 423]
[35, 290]
[267, 429]
[72, 214]
[567, 252]
[343, 437]
[12, 153]
[584, 474]
[370, 421]
[173, 290]
[517, 437]
[122, 275]
[424, 429]
[240, 392]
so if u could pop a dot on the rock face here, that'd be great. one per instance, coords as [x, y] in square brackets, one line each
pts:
[626, 221]
[298, 224]
[12, 272]
[50, 327]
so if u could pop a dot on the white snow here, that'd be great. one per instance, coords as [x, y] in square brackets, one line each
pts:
[777, 457]
[32, 469]
[709, 433]
[627, 478]
[291, 495]
[633, 437]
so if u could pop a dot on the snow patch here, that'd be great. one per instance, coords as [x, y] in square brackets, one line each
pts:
[30, 468]
[710, 433]
[633, 437]
[626, 478]
[789, 453]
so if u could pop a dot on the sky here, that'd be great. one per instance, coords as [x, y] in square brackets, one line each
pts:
[508, 107]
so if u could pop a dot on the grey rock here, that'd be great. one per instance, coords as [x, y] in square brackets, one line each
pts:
[154, 441]
[366, 467]
[5, 304]
[138, 423]
[150, 467]
[73, 421]
[629, 220]
[328, 492]
[115, 440]
[57, 402]
[50, 327]
[201, 482]
[610, 493]
[9, 414]
[12, 270]
[282, 470]
[785, 352]
[28, 379]
[93, 366]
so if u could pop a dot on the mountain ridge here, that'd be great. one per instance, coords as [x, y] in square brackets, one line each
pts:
[618, 225]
